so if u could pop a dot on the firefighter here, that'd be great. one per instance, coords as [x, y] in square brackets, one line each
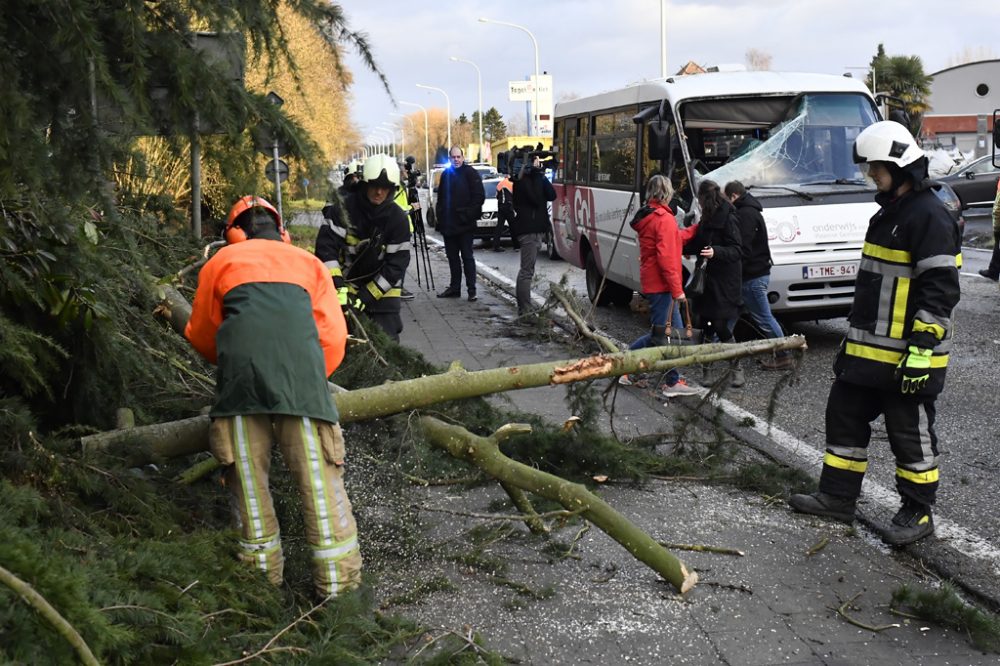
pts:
[894, 358]
[266, 313]
[367, 250]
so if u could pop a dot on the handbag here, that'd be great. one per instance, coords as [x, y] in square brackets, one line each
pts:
[696, 284]
[688, 335]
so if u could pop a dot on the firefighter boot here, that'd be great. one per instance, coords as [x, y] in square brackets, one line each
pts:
[824, 504]
[658, 336]
[911, 523]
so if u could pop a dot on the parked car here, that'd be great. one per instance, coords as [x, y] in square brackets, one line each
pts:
[488, 221]
[975, 183]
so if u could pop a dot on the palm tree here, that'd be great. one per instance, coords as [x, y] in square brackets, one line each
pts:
[903, 77]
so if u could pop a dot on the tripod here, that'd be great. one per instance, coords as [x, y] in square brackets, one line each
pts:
[420, 249]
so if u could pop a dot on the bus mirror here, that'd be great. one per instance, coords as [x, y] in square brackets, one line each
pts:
[658, 140]
[996, 129]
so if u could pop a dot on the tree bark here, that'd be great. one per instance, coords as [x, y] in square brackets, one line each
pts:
[165, 440]
[484, 452]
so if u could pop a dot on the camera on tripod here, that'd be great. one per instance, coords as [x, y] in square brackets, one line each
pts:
[412, 173]
[512, 161]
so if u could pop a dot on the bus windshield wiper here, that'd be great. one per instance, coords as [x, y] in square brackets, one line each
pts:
[838, 181]
[804, 195]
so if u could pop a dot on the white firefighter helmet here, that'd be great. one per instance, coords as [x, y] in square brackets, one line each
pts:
[381, 170]
[886, 141]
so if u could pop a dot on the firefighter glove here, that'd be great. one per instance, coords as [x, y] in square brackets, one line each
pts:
[342, 296]
[914, 370]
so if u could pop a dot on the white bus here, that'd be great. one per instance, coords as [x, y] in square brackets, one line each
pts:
[787, 137]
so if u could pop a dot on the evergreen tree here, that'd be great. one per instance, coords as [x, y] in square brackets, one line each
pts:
[903, 77]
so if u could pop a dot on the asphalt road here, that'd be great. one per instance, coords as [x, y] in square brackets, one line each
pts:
[967, 412]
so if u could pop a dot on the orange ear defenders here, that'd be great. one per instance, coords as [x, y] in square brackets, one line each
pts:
[233, 233]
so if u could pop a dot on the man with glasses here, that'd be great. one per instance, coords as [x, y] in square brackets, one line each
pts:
[458, 209]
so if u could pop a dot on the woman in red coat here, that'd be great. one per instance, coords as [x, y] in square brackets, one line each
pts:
[660, 273]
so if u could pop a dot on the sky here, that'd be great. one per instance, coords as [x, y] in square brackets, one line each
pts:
[589, 46]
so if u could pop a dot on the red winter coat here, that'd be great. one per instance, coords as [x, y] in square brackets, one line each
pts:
[660, 244]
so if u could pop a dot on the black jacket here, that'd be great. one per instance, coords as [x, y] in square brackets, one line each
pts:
[724, 282]
[906, 289]
[753, 233]
[367, 249]
[532, 192]
[460, 201]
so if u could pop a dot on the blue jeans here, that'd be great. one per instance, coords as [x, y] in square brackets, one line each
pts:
[659, 304]
[755, 300]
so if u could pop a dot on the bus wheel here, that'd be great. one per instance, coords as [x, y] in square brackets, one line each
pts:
[593, 274]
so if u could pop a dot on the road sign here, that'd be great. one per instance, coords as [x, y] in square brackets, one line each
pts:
[282, 171]
[263, 141]
[273, 98]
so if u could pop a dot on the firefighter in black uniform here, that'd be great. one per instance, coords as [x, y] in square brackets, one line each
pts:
[367, 250]
[894, 358]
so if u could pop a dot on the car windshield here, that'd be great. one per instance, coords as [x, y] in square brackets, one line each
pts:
[490, 187]
[810, 146]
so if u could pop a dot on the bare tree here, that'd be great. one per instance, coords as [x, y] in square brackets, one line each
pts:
[758, 61]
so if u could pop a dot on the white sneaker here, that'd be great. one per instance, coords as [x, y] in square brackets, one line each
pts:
[682, 388]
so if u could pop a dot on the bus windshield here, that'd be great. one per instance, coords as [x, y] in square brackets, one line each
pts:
[796, 142]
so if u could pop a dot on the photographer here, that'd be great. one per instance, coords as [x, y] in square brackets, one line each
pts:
[532, 192]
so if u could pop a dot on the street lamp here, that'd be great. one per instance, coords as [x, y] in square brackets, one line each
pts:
[407, 119]
[386, 138]
[479, 88]
[447, 112]
[534, 42]
[402, 142]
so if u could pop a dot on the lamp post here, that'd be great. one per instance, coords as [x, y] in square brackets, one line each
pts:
[479, 89]
[534, 43]
[447, 113]
[427, 153]
[402, 141]
[386, 138]
[663, 38]
[407, 119]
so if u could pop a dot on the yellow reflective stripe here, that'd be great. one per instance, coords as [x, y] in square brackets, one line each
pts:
[930, 476]
[374, 290]
[888, 356]
[859, 466]
[958, 260]
[899, 308]
[886, 254]
[336, 272]
[934, 329]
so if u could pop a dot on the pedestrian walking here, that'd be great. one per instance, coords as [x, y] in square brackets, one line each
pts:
[719, 245]
[458, 209]
[894, 359]
[366, 246]
[992, 271]
[532, 192]
[661, 274]
[755, 269]
[266, 313]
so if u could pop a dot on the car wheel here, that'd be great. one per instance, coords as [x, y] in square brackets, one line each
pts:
[550, 245]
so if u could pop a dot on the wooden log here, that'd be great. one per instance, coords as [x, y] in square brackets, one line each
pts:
[485, 454]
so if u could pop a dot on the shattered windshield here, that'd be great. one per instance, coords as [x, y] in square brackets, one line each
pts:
[809, 145]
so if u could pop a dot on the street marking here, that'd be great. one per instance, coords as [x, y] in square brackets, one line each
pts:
[954, 535]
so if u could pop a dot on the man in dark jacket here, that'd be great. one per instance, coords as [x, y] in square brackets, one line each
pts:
[505, 212]
[266, 313]
[367, 250]
[458, 209]
[894, 359]
[756, 268]
[532, 192]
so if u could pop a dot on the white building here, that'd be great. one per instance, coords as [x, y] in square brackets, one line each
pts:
[962, 102]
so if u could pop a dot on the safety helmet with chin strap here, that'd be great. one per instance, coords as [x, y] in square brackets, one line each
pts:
[382, 171]
[892, 144]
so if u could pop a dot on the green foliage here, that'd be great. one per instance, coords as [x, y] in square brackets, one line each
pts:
[944, 606]
[902, 77]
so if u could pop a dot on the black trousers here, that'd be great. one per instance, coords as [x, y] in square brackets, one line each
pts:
[994, 267]
[458, 249]
[909, 422]
[504, 218]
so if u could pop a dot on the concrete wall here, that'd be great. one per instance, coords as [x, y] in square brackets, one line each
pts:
[959, 96]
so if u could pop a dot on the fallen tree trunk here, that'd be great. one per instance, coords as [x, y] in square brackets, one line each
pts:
[167, 440]
[484, 452]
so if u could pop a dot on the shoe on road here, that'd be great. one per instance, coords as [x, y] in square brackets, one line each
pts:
[472, 297]
[450, 293]
[407, 295]
[989, 276]
[739, 378]
[911, 523]
[824, 504]
[681, 388]
[778, 363]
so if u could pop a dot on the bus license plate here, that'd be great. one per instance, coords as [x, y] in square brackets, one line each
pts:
[486, 223]
[830, 271]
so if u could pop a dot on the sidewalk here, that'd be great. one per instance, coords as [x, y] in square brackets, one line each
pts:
[776, 605]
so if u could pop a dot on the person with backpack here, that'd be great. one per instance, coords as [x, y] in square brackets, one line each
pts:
[756, 269]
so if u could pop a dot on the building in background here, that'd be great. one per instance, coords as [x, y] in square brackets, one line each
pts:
[962, 101]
